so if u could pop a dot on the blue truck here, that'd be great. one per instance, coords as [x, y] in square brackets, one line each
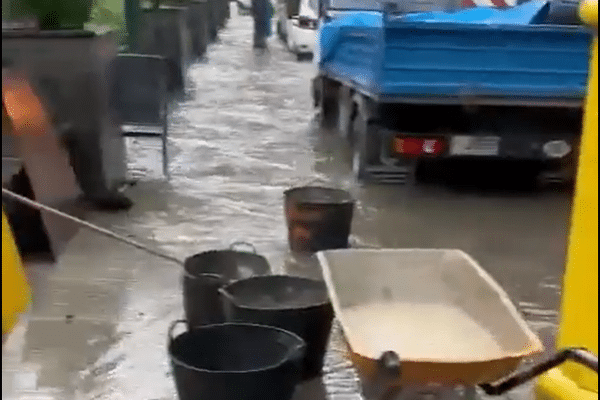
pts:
[410, 82]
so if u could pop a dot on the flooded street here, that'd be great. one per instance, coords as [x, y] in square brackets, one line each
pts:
[244, 133]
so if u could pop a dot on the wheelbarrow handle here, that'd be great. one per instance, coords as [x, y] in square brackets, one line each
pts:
[580, 356]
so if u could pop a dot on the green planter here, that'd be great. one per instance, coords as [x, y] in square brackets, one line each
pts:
[53, 14]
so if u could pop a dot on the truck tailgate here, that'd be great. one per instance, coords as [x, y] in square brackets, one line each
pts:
[459, 60]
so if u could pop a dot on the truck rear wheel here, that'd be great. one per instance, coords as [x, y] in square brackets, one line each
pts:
[346, 113]
[366, 149]
[327, 90]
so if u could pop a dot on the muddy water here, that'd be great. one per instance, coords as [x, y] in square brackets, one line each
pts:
[425, 332]
[242, 135]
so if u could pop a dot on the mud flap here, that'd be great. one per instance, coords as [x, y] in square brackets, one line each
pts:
[366, 147]
[372, 161]
[327, 98]
[316, 91]
[346, 112]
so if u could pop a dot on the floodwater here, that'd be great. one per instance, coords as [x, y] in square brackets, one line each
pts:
[244, 133]
[451, 332]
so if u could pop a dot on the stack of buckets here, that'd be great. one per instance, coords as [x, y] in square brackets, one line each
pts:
[252, 335]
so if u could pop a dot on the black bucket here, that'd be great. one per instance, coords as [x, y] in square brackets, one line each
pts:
[206, 272]
[296, 304]
[318, 218]
[235, 362]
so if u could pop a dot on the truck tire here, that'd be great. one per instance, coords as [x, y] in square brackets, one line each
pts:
[315, 90]
[328, 94]
[366, 149]
[346, 113]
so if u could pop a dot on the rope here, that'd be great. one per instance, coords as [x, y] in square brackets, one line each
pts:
[85, 224]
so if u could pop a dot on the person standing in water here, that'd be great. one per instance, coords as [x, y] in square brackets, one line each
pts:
[262, 12]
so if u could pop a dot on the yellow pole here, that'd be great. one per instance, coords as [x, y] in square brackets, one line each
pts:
[579, 309]
[15, 290]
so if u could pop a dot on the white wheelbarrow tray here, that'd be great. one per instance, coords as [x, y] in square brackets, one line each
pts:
[408, 300]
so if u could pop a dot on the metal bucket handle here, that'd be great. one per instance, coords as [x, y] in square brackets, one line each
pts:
[223, 292]
[310, 182]
[172, 328]
[237, 244]
[204, 274]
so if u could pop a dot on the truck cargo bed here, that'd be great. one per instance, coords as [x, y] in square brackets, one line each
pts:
[394, 60]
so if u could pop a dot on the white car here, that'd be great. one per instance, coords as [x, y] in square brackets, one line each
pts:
[298, 29]
[244, 7]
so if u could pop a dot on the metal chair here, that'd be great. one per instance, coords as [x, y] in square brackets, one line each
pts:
[139, 97]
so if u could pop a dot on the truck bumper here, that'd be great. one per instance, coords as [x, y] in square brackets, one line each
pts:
[530, 147]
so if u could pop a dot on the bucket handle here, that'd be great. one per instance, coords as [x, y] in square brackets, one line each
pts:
[296, 356]
[237, 244]
[172, 327]
[224, 293]
[310, 182]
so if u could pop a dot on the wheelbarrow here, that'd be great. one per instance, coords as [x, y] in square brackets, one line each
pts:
[430, 324]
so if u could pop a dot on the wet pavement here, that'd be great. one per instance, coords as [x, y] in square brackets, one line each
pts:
[243, 134]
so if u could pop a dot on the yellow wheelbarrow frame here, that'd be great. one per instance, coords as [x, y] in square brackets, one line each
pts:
[579, 309]
[16, 294]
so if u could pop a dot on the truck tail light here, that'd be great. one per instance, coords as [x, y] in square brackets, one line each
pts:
[307, 23]
[414, 146]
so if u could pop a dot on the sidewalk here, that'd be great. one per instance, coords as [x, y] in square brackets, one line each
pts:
[97, 328]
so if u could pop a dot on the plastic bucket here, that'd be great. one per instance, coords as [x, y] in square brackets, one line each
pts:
[235, 362]
[318, 218]
[296, 304]
[206, 272]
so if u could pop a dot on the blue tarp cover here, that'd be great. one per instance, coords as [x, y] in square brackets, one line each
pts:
[328, 32]
[525, 14]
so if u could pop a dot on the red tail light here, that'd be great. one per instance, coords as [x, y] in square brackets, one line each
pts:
[409, 146]
[413, 146]
[307, 23]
